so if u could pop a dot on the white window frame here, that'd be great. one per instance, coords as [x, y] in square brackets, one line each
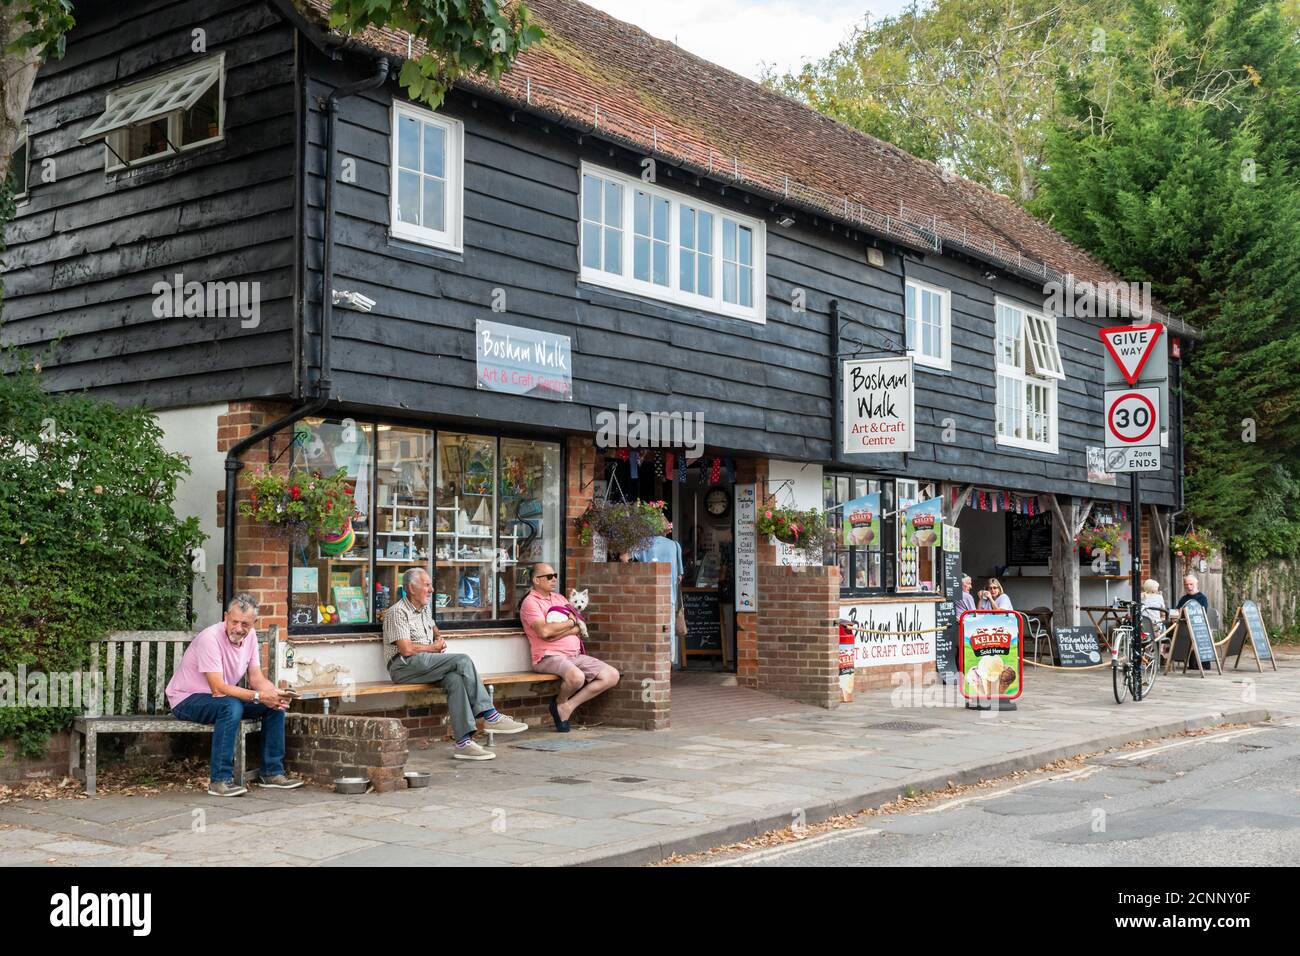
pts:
[1023, 377]
[452, 237]
[115, 140]
[625, 281]
[944, 361]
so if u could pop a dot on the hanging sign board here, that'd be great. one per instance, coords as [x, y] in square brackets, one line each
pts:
[879, 406]
[1249, 623]
[746, 548]
[992, 654]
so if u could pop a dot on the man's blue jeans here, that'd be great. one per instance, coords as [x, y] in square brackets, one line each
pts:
[225, 713]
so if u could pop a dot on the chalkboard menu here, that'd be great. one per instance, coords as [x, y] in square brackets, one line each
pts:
[945, 617]
[1194, 618]
[1250, 624]
[1076, 646]
[703, 621]
[1029, 539]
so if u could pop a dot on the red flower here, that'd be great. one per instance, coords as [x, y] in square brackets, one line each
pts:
[296, 492]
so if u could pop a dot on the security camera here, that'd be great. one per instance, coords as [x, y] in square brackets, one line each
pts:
[353, 300]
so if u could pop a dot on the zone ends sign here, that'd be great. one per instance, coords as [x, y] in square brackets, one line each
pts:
[1130, 346]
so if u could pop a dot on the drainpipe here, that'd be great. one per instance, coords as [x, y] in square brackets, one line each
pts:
[323, 384]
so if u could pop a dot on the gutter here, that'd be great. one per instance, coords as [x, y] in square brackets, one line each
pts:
[323, 384]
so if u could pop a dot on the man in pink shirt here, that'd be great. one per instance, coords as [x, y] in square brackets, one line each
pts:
[557, 648]
[203, 690]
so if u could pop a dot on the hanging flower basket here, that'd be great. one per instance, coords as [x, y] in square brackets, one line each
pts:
[303, 505]
[1194, 545]
[801, 529]
[625, 526]
[1102, 538]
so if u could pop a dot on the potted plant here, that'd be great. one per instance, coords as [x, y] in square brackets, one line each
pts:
[625, 526]
[303, 505]
[805, 529]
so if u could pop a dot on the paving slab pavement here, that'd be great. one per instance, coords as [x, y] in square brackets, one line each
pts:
[615, 796]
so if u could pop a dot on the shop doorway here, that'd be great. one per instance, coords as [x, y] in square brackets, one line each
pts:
[701, 511]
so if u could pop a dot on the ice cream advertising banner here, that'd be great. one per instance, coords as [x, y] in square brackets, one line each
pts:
[879, 406]
[862, 522]
[992, 654]
[891, 634]
[923, 524]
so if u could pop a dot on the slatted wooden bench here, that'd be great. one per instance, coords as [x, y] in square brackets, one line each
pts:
[542, 685]
[135, 662]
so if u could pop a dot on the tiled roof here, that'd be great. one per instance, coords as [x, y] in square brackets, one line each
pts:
[605, 74]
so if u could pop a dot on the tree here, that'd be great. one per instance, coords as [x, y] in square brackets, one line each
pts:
[30, 31]
[966, 81]
[1176, 160]
[481, 37]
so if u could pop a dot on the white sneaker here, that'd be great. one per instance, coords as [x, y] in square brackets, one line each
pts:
[506, 725]
[472, 751]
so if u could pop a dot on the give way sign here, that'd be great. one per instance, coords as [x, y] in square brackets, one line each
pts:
[1132, 417]
[1130, 346]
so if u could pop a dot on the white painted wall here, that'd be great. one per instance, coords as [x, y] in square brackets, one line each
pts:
[806, 482]
[193, 432]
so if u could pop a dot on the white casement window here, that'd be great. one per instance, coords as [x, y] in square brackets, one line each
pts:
[929, 324]
[427, 166]
[167, 114]
[18, 169]
[650, 241]
[1028, 368]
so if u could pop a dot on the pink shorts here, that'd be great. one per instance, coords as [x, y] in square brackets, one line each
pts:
[557, 664]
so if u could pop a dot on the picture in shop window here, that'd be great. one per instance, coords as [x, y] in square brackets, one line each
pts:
[859, 505]
[920, 531]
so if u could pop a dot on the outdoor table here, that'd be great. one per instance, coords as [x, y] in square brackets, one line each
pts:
[1105, 617]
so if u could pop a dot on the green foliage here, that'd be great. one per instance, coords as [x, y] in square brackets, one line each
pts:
[89, 535]
[806, 529]
[464, 37]
[46, 25]
[625, 526]
[1177, 161]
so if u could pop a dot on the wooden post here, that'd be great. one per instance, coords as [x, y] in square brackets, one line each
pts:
[1068, 519]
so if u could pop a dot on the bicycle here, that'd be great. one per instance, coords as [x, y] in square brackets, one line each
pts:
[1126, 678]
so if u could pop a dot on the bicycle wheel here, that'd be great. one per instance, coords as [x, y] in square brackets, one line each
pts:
[1150, 664]
[1119, 664]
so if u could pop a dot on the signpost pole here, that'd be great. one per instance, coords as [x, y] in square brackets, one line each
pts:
[1135, 547]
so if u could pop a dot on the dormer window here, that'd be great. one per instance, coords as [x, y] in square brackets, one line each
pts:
[167, 114]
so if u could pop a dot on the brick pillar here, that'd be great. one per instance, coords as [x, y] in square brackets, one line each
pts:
[585, 462]
[798, 633]
[261, 558]
[628, 624]
[752, 470]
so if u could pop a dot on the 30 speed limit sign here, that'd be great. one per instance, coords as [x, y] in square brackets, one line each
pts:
[1132, 417]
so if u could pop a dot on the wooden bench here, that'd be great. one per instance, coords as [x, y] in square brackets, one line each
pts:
[543, 685]
[127, 706]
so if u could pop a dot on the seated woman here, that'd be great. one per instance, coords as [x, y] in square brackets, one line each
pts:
[993, 598]
[1153, 602]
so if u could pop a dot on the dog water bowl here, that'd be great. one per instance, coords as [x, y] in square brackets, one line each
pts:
[414, 779]
[351, 784]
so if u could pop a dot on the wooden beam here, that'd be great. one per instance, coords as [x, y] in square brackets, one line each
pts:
[961, 502]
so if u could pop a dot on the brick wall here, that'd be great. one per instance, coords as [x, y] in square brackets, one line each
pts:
[15, 768]
[323, 748]
[752, 470]
[262, 558]
[798, 633]
[585, 464]
[628, 622]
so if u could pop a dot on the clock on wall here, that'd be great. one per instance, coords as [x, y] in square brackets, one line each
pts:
[717, 502]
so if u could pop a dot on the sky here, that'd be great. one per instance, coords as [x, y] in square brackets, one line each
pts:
[743, 35]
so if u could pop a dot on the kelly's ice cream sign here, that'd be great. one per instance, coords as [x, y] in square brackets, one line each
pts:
[992, 660]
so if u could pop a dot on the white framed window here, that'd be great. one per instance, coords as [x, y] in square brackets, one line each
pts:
[929, 324]
[164, 115]
[18, 164]
[651, 241]
[1028, 366]
[427, 177]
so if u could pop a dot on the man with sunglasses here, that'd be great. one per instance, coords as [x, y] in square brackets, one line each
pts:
[415, 654]
[557, 648]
